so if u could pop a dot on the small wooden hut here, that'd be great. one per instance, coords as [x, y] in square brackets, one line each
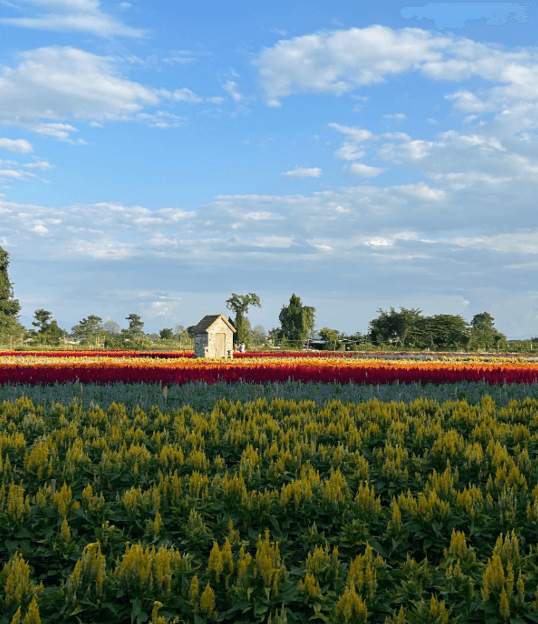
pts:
[213, 337]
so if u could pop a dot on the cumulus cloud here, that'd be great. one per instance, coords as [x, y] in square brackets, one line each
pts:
[50, 85]
[301, 172]
[337, 62]
[73, 16]
[359, 170]
[16, 145]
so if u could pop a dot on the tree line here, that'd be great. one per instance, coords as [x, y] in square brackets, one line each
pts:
[403, 330]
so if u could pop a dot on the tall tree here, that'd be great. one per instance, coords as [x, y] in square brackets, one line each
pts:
[90, 329]
[239, 304]
[42, 319]
[135, 326]
[296, 322]
[9, 307]
[166, 334]
[484, 334]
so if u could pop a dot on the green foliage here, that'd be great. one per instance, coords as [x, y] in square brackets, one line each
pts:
[418, 512]
[394, 327]
[90, 330]
[484, 335]
[166, 334]
[296, 323]
[9, 307]
[239, 304]
[332, 339]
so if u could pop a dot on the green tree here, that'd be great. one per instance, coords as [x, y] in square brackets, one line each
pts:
[53, 334]
[332, 339]
[447, 331]
[89, 330]
[484, 335]
[239, 304]
[48, 331]
[394, 327]
[296, 323]
[166, 334]
[9, 307]
[135, 329]
[42, 319]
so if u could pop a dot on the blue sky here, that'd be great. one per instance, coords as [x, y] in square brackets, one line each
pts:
[157, 156]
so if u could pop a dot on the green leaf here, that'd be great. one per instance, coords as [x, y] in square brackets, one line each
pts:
[142, 617]
[376, 546]
[136, 610]
[22, 532]
[79, 609]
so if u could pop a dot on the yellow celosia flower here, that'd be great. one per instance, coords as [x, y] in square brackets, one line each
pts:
[90, 569]
[18, 505]
[438, 611]
[504, 604]
[65, 531]
[207, 601]
[351, 607]
[32, 617]
[310, 585]
[18, 586]
[215, 560]
[397, 618]
[194, 591]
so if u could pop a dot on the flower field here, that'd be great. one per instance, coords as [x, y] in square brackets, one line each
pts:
[270, 511]
[47, 369]
[161, 490]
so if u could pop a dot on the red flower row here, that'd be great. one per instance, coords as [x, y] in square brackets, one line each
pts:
[327, 371]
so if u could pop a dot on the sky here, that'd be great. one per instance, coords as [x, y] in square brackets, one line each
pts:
[156, 157]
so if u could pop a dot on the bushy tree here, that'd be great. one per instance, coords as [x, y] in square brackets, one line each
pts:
[90, 330]
[135, 329]
[394, 327]
[331, 338]
[166, 334]
[239, 304]
[484, 335]
[442, 332]
[9, 307]
[296, 323]
[48, 331]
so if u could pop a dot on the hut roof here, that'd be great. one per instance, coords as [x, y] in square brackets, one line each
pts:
[208, 321]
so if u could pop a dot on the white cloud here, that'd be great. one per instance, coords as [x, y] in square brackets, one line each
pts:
[398, 116]
[16, 145]
[181, 95]
[40, 165]
[61, 83]
[231, 88]
[301, 172]
[363, 171]
[74, 16]
[337, 62]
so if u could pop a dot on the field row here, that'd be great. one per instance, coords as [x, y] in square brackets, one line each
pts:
[270, 511]
[385, 355]
[47, 370]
